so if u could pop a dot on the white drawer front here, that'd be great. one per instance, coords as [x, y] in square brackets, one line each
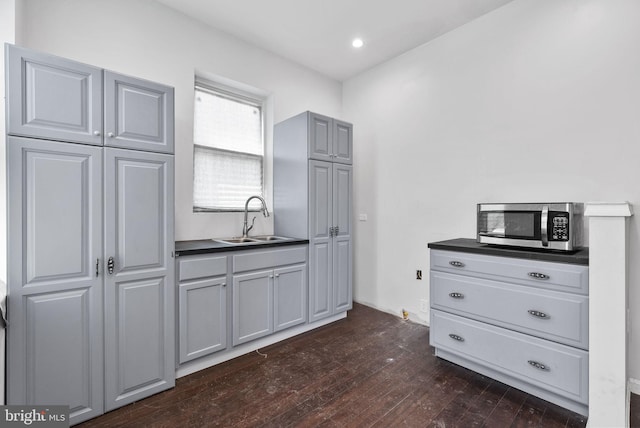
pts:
[268, 258]
[201, 266]
[561, 317]
[557, 368]
[552, 276]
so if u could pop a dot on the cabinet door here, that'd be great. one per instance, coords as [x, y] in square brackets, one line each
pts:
[290, 296]
[252, 306]
[320, 241]
[342, 248]
[342, 142]
[53, 98]
[55, 293]
[139, 289]
[138, 114]
[202, 318]
[320, 137]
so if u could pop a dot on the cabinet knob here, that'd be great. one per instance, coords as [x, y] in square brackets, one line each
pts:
[96, 133]
[111, 135]
[538, 314]
[110, 265]
[538, 365]
[224, 284]
[277, 275]
[538, 275]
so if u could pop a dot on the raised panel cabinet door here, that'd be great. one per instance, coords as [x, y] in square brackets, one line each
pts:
[342, 142]
[290, 296]
[320, 238]
[202, 317]
[252, 306]
[55, 339]
[320, 137]
[139, 278]
[53, 98]
[342, 247]
[138, 114]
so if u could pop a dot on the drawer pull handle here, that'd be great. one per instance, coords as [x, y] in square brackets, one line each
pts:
[456, 337]
[455, 263]
[538, 365]
[538, 314]
[456, 295]
[538, 275]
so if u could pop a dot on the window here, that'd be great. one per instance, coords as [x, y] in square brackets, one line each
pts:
[228, 149]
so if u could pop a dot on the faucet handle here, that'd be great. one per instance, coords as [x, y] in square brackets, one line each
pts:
[253, 220]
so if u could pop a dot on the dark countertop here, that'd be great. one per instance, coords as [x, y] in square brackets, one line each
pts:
[465, 245]
[204, 246]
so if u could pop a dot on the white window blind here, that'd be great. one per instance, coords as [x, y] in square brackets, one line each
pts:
[228, 150]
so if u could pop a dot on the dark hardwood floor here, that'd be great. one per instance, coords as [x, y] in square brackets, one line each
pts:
[370, 369]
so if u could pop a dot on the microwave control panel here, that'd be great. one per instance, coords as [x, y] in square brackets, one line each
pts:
[560, 227]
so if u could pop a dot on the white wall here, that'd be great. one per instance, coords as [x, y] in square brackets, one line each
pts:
[148, 40]
[536, 101]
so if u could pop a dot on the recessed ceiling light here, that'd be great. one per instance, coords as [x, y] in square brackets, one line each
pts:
[357, 43]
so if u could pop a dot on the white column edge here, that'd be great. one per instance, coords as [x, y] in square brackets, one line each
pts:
[608, 209]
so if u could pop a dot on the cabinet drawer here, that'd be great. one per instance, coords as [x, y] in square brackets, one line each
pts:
[560, 369]
[264, 259]
[549, 275]
[193, 267]
[561, 317]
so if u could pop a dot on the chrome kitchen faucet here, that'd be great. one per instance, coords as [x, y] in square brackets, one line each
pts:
[246, 228]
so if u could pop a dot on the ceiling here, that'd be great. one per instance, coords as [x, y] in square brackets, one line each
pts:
[318, 34]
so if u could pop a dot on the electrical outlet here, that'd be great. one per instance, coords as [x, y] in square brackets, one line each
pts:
[424, 305]
[418, 274]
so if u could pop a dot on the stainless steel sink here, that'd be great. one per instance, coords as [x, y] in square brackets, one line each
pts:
[269, 238]
[235, 241]
[250, 240]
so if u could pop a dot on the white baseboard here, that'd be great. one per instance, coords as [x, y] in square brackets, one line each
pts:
[413, 317]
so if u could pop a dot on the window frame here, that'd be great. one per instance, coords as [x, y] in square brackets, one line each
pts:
[239, 95]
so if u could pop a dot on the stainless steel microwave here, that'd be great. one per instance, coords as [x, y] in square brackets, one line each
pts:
[553, 226]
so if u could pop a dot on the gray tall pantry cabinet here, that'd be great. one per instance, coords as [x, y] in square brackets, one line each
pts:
[90, 235]
[313, 181]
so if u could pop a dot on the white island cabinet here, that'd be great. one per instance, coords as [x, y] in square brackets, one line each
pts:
[521, 321]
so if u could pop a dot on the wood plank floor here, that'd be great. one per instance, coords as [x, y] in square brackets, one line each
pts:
[370, 369]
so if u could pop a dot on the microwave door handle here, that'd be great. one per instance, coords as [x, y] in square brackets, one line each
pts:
[543, 226]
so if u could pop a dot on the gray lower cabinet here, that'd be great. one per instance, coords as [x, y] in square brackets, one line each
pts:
[202, 306]
[55, 305]
[267, 293]
[523, 322]
[139, 278]
[313, 199]
[90, 286]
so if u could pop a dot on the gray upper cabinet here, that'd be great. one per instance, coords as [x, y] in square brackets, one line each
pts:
[138, 114]
[58, 99]
[329, 139]
[53, 98]
[55, 345]
[139, 278]
[313, 182]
